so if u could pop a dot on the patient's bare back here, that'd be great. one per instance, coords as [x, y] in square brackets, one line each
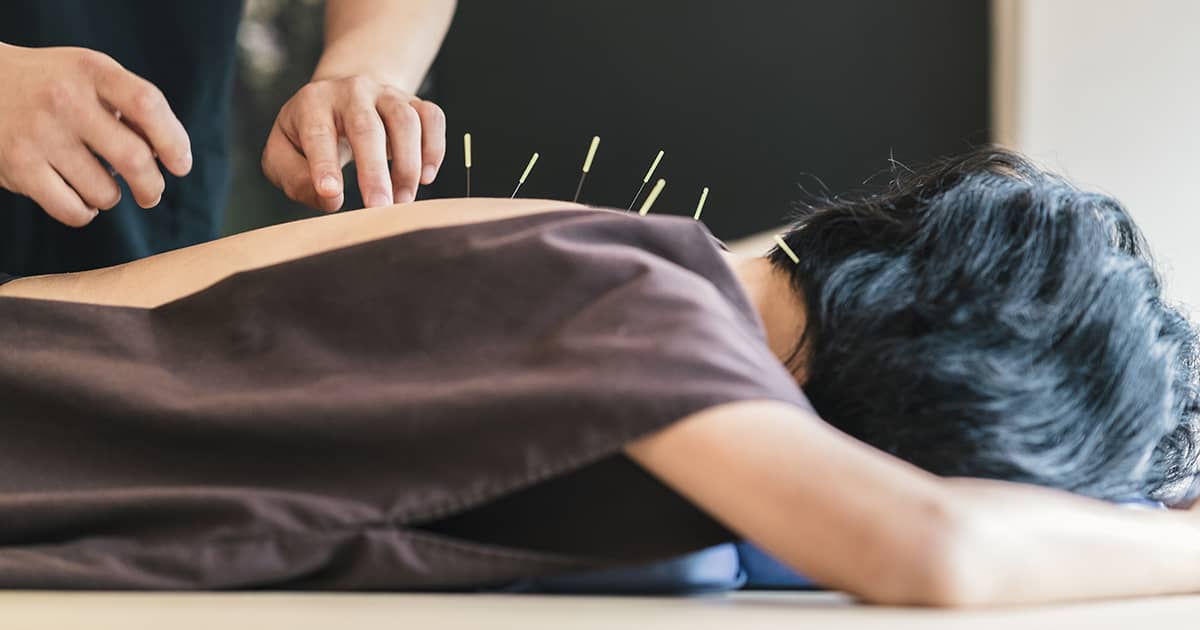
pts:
[159, 279]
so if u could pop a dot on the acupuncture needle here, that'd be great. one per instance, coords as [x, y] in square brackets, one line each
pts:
[700, 206]
[587, 166]
[467, 159]
[529, 167]
[646, 179]
[787, 250]
[653, 196]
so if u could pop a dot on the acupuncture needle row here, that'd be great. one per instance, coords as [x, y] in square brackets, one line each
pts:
[655, 191]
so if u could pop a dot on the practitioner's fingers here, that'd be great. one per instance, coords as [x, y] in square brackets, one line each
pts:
[46, 187]
[91, 181]
[128, 154]
[433, 139]
[404, 138]
[288, 170]
[368, 137]
[306, 130]
[71, 106]
[316, 136]
[144, 105]
[376, 120]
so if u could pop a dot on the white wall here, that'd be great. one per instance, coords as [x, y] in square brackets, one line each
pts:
[1108, 92]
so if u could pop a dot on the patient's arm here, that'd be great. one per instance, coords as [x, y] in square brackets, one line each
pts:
[162, 278]
[857, 519]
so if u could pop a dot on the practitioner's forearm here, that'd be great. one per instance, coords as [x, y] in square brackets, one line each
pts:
[393, 41]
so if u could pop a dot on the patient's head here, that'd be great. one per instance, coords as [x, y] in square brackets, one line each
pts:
[985, 318]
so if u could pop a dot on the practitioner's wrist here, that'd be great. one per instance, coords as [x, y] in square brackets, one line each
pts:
[342, 60]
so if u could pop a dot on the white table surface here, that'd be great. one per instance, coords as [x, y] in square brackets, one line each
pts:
[303, 611]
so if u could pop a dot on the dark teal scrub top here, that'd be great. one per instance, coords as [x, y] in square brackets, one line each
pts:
[186, 48]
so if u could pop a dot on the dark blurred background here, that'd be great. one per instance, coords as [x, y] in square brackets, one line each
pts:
[755, 99]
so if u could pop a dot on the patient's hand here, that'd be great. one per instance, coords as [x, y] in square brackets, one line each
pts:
[329, 122]
[60, 108]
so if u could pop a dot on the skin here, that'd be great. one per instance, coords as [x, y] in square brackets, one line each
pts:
[844, 513]
[59, 107]
[360, 106]
[64, 107]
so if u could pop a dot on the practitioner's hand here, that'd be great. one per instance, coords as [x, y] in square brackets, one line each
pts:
[330, 122]
[60, 108]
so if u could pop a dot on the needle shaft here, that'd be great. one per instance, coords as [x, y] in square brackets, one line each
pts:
[528, 168]
[649, 173]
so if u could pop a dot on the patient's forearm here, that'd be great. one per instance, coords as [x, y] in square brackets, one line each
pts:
[857, 519]
[843, 514]
[1019, 544]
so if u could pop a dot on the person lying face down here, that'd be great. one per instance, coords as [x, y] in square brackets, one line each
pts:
[313, 405]
[984, 318]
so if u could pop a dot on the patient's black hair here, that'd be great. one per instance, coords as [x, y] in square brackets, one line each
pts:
[986, 318]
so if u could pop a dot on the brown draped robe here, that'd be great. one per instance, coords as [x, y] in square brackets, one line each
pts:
[441, 409]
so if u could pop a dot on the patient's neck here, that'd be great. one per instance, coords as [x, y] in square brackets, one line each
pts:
[779, 306]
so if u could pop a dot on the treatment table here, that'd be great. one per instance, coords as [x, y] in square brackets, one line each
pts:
[31, 610]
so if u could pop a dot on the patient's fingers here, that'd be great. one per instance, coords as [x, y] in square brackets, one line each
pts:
[404, 137]
[433, 139]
